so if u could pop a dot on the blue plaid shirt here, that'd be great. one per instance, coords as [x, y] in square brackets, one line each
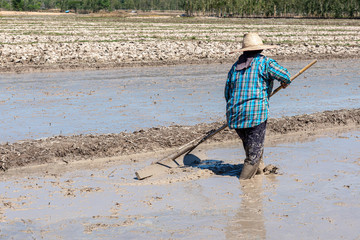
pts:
[247, 91]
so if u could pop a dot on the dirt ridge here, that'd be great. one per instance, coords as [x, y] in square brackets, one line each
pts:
[80, 147]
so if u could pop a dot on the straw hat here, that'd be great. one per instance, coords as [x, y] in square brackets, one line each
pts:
[253, 42]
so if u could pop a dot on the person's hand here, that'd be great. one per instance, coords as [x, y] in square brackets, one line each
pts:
[284, 85]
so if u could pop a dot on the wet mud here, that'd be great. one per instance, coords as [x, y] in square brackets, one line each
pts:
[79, 147]
[315, 195]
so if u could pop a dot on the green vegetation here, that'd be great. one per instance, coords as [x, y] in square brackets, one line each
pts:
[275, 8]
[220, 8]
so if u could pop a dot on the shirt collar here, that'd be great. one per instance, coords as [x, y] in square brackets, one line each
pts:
[245, 61]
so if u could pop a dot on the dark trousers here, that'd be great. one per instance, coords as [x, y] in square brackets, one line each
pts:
[253, 142]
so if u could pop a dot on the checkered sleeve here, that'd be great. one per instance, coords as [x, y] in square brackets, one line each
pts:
[278, 72]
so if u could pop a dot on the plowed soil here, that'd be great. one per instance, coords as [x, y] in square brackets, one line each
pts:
[80, 147]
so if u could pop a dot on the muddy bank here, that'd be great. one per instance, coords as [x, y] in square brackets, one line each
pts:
[79, 147]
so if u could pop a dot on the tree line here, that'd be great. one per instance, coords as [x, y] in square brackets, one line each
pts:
[275, 8]
[220, 8]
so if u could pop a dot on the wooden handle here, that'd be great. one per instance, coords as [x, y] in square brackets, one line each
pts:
[169, 161]
[295, 76]
[208, 135]
[215, 131]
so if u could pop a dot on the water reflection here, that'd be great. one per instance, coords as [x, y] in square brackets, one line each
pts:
[248, 222]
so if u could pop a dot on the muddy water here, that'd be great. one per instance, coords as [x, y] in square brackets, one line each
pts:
[316, 196]
[36, 105]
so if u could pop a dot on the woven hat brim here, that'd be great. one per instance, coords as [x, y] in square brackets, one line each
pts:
[255, 48]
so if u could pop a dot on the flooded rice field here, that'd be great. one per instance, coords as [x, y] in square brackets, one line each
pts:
[315, 196]
[37, 105]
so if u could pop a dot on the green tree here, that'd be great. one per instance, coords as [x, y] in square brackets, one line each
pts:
[4, 4]
[62, 4]
[129, 4]
[74, 4]
[17, 5]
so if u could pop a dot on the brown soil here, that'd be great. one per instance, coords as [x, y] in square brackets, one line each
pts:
[80, 147]
[60, 41]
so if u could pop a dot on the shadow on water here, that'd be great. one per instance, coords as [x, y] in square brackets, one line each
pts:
[218, 167]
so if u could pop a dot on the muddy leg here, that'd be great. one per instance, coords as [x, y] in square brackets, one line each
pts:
[253, 142]
[261, 167]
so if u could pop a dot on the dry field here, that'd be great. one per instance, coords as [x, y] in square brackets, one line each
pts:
[57, 41]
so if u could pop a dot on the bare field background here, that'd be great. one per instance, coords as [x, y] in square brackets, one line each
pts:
[58, 41]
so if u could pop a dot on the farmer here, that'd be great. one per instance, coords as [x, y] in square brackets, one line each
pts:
[247, 91]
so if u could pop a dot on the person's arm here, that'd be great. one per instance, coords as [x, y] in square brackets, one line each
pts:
[279, 73]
